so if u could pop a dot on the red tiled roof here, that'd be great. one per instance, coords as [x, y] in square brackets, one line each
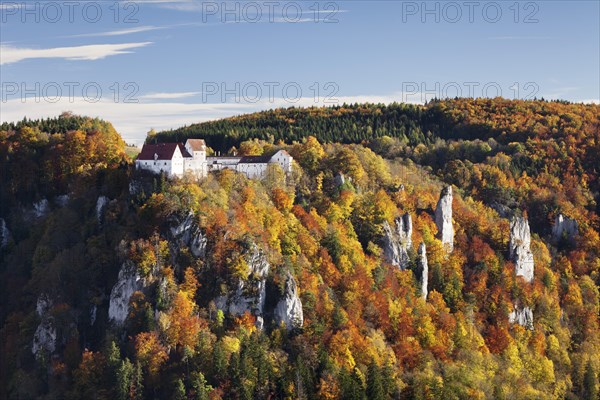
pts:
[197, 144]
[163, 150]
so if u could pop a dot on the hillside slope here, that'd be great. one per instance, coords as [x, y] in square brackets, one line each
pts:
[117, 284]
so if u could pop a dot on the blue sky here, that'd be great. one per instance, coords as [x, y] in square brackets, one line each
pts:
[166, 63]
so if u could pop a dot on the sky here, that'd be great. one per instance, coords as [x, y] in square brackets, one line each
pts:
[162, 64]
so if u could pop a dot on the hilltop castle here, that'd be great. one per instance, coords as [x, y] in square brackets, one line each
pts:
[177, 159]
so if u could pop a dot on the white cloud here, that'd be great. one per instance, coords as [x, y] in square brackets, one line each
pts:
[119, 32]
[10, 54]
[270, 11]
[180, 5]
[168, 96]
[161, 1]
[132, 120]
[520, 38]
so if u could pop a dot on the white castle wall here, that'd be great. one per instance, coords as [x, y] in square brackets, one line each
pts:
[199, 164]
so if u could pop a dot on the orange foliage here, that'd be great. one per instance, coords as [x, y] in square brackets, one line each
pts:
[150, 352]
[282, 200]
[184, 324]
[497, 339]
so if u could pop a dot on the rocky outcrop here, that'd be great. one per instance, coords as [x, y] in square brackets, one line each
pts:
[564, 228]
[135, 187]
[128, 282]
[443, 219]
[41, 208]
[198, 244]
[404, 230]
[43, 305]
[44, 337]
[423, 268]
[182, 230]
[251, 291]
[101, 204]
[62, 200]
[398, 242]
[289, 309]
[188, 233]
[4, 234]
[93, 312]
[522, 316]
[37, 210]
[339, 179]
[520, 253]
[503, 210]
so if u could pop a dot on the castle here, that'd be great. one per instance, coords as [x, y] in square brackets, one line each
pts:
[177, 159]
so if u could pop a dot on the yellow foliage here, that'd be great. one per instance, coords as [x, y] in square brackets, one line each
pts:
[230, 345]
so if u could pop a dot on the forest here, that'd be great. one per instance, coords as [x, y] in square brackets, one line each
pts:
[79, 226]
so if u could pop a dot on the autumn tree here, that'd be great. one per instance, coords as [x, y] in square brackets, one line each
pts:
[151, 353]
[183, 323]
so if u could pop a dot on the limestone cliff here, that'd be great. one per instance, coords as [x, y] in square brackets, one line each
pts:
[4, 234]
[520, 253]
[398, 242]
[251, 291]
[198, 244]
[41, 208]
[564, 228]
[289, 309]
[45, 336]
[522, 316]
[101, 204]
[443, 219]
[129, 281]
[187, 232]
[423, 268]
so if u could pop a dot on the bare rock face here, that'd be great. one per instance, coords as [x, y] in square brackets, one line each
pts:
[62, 200]
[397, 242]
[93, 312]
[44, 337]
[564, 227]
[339, 179]
[522, 316]
[198, 244]
[390, 245]
[289, 309]
[502, 210]
[183, 229]
[101, 204]
[41, 208]
[129, 281]
[251, 292]
[4, 234]
[37, 210]
[43, 305]
[188, 233]
[404, 229]
[135, 188]
[520, 253]
[423, 268]
[443, 219]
